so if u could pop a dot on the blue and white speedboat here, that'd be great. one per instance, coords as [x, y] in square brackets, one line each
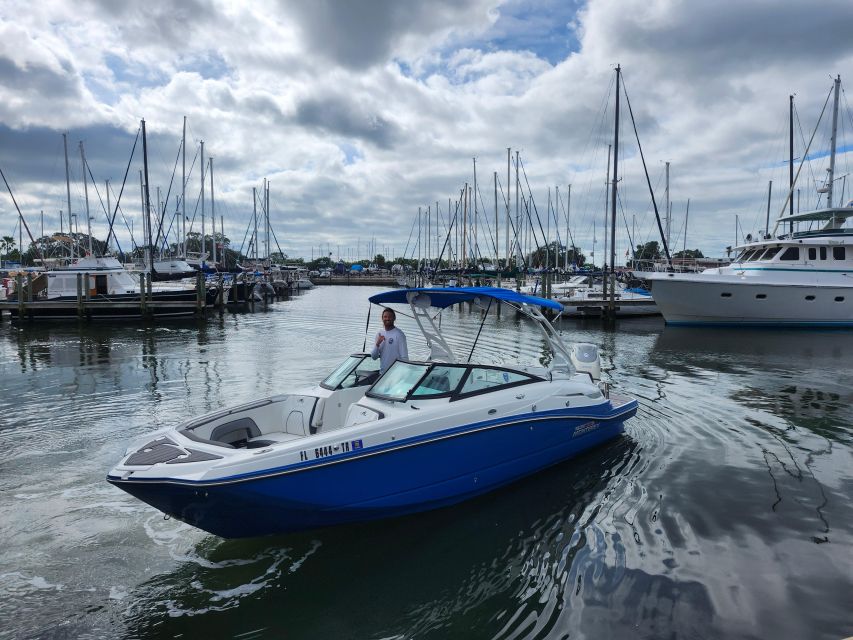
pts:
[362, 446]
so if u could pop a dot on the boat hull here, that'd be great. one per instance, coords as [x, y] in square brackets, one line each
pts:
[737, 302]
[397, 479]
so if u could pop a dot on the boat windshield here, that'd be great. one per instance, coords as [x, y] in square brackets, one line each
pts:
[359, 369]
[399, 380]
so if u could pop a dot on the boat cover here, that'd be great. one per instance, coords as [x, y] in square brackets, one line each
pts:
[443, 297]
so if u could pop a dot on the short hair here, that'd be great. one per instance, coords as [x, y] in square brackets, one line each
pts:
[391, 311]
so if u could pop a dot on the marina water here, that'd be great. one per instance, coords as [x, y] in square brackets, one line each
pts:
[723, 512]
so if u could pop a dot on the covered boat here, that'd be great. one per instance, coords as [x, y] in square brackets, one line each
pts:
[361, 446]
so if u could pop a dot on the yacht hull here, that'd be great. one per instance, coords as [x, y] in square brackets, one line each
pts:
[409, 476]
[737, 301]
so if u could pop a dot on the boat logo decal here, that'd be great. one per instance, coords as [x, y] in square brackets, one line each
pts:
[506, 377]
[585, 428]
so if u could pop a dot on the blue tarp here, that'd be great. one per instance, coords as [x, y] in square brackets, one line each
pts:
[357, 267]
[448, 296]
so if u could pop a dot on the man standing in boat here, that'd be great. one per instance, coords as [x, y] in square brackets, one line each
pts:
[390, 342]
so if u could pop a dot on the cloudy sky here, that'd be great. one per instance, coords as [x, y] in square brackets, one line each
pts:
[360, 112]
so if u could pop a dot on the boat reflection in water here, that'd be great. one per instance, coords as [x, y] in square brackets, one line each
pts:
[478, 561]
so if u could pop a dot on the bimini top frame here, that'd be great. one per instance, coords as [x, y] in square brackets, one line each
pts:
[421, 299]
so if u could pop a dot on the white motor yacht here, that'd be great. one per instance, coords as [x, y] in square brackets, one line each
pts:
[799, 274]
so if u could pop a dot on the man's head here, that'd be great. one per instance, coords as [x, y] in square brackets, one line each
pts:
[388, 317]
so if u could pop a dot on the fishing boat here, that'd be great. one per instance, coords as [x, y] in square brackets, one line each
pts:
[361, 445]
[800, 274]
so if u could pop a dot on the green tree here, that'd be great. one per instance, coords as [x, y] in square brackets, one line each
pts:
[7, 243]
[689, 253]
[575, 257]
[647, 251]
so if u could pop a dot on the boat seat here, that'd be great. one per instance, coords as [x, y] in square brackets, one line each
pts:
[236, 432]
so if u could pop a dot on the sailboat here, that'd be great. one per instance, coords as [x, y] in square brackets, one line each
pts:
[800, 274]
[583, 296]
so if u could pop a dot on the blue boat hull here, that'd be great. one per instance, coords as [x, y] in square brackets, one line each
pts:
[401, 478]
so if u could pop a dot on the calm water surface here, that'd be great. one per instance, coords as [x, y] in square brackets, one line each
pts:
[723, 512]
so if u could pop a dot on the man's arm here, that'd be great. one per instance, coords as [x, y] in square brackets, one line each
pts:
[404, 347]
[374, 353]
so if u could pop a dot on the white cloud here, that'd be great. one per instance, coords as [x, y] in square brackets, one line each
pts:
[358, 113]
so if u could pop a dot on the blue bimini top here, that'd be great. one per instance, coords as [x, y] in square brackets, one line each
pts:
[443, 297]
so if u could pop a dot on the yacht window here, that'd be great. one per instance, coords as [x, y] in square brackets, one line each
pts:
[399, 380]
[747, 256]
[838, 253]
[439, 381]
[809, 297]
[791, 253]
[481, 379]
[771, 253]
[839, 298]
[823, 253]
[761, 296]
[812, 253]
[756, 255]
[725, 295]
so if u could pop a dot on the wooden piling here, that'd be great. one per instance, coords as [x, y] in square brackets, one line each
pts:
[19, 288]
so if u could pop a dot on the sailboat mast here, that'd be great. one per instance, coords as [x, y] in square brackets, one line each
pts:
[474, 195]
[568, 213]
[518, 259]
[212, 213]
[790, 158]
[147, 198]
[110, 233]
[668, 208]
[86, 197]
[267, 211]
[201, 164]
[497, 233]
[606, 209]
[67, 193]
[506, 233]
[184, 192]
[831, 177]
[615, 181]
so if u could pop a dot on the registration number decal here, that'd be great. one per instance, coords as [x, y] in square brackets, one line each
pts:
[330, 450]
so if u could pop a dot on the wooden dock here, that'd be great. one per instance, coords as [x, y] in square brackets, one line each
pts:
[351, 280]
[195, 302]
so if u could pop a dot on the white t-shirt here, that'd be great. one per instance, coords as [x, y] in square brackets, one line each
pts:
[392, 348]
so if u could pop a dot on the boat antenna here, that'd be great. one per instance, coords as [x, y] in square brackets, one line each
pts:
[366, 329]
[482, 322]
